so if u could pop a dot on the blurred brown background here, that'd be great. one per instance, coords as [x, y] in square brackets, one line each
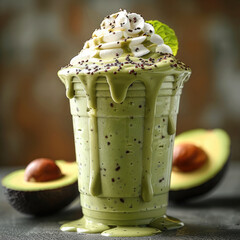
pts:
[37, 37]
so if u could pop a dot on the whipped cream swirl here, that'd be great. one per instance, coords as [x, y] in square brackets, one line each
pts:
[120, 34]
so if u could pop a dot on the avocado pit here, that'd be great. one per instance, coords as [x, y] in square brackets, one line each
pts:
[42, 170]
[188, 157]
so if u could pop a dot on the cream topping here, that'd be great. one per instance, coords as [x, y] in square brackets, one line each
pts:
[121, 34]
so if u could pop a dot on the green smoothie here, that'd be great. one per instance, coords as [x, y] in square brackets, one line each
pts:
[124, 107]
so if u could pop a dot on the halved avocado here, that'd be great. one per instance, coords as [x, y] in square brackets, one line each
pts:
[188, 185]
[42, 198]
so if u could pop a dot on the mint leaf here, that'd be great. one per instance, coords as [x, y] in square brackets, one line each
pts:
[166, 33]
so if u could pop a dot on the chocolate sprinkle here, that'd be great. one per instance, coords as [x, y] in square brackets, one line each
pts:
[117, 65]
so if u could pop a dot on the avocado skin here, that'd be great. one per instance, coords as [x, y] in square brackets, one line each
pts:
[191, 193]
[42, 203]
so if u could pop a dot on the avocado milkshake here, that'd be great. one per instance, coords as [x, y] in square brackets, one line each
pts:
[124, 89]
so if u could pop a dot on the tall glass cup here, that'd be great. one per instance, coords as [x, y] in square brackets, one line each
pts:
[124, 155]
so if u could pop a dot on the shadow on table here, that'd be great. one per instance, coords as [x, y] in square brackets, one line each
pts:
[207, 232]
[68, 214]
[214, 202]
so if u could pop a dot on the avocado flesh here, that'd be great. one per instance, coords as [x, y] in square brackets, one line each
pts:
[15, 180]
[216, 143]
[42, 198]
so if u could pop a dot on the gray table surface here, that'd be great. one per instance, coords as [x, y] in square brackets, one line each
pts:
[215, 216]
